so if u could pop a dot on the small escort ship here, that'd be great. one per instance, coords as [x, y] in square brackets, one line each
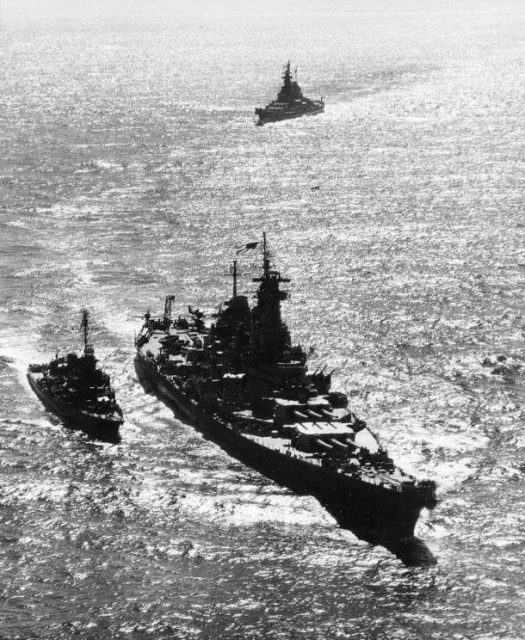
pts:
[78, 392]
[236, 376]
[290, 102]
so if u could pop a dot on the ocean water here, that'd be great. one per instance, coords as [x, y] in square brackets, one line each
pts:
[131, 168]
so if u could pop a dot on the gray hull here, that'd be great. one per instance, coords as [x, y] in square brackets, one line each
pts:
[96, 427]
[372, 512]
[265, 117]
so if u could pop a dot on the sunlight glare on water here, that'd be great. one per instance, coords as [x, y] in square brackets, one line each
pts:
[132, 168]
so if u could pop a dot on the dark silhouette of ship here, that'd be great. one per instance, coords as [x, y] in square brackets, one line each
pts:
[290, 102]
[237, 377]
[78, 392]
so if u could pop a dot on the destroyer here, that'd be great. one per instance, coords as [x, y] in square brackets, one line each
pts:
[237, 377]
[78, 392]
[290, 102]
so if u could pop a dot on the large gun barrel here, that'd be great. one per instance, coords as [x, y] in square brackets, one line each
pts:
[323, 444]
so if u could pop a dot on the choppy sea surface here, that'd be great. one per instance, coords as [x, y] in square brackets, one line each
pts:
[131, 168]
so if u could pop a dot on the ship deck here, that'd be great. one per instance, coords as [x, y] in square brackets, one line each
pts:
[154, 342]
[60, 403]
[371, 476]
[389, 480]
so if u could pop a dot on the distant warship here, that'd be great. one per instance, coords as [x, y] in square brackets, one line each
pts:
[290, 102]
[78, 392]
[236, 376]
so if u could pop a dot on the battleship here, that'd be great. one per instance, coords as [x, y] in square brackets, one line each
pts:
[290, 102]
[76, 390]
[235, 375]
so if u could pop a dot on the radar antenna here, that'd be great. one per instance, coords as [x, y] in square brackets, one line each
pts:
[85, 326]
[266, 256]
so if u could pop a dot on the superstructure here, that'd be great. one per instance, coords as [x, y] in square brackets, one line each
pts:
[290, 102]
[237, 377]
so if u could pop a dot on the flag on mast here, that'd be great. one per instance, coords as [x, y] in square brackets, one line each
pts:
[246, 247]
